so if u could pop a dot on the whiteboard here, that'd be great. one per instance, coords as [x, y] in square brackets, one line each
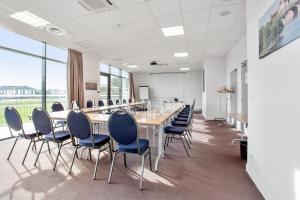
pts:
[144, 92]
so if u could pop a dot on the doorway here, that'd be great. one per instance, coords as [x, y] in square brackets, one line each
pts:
[233, 95]
[244, 76]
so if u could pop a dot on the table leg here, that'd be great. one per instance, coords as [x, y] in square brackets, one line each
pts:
[160, 148]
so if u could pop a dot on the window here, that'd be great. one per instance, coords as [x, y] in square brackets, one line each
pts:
[114, 83]
[33, 74]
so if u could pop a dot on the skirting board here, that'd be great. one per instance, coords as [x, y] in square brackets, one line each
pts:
[261, 187]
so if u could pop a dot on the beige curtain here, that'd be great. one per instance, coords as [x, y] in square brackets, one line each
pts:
[75, 77]
[131, 86]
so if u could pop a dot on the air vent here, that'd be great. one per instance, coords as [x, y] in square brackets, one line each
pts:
[56, 30]
[96, 5]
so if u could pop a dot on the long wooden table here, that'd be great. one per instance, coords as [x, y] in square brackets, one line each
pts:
[112, 107]
[156, 119]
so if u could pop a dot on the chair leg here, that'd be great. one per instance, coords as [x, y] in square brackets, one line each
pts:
[188, 137]
[34, 145]
[110, 151]
[186, 141]
[150, 160]
[166, 141]
[169, 140]
[184, 146]
[125, 162]
[75, 153]
[111, 167]
[142, 173]
[48, 148]
[37, 157]
[96, 165]
[59, 148]
[26, 152]
[90, 154]
[12, 148]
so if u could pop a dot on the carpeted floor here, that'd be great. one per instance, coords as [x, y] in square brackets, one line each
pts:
[213, 172]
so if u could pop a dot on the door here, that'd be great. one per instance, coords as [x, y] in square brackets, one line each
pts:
[233, 95]
[244, 88]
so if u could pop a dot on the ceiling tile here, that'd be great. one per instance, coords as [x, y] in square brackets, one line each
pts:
[189, 5]
[165, 7]
[234, 11]
[124, 3]
[170, 20]
[112, 17]
[195, 28]
[146, 24]
[137, 12]
[90, 21]
[224, 3]
[220, 25]
[196, 17]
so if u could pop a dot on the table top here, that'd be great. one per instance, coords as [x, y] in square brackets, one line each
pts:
[103, 108]
[241, 117]
[155, 117]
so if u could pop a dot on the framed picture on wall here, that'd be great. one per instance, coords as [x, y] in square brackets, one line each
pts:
[279, 26]
[91, 85]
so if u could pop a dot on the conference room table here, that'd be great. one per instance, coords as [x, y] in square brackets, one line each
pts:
[156, 118]
[112, 107]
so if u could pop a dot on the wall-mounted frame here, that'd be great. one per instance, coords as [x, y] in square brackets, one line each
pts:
[91, 85]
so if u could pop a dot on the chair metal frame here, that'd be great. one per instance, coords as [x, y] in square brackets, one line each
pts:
[77, 146]
[143, 155]
[56, 124]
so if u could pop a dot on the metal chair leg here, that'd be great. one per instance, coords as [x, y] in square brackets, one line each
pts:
[96, 165]
[111, 167]
[110, 151]
[169, 140]
[37, 157]
[26, 152]
[184, 147]
[125, 163]
[186, 142]
[59, 148]
[75, 153]
[142, 173]
[12, 148]
[48, 148]
[166, 141]
[150, 160]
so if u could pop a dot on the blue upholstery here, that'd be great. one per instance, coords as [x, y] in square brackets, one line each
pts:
[110, 102]
[41, 121]
[57, 106]
[184, 119]
[100, 103]
[133, 147]
[122, 127]
[176, 100]
[99, 140]
[79, 124]
[12, 118]
[124, 101]
[129, 101]
[174, 130]
[60, 136]
[29, 136]
[183, 115]
[179, 123]
[117, 101]
[89, 104]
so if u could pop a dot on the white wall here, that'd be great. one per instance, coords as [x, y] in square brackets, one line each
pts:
[274, 107]
[233, 60]
[214, 69]
[185, 86]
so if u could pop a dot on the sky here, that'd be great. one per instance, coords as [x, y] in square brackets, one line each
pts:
[22, 70]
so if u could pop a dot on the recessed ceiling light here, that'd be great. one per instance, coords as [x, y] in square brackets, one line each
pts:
[29, 18]
[184, 69]
[132, 66]
[173, 31]
[56, 30]
[180, 55]
[224, 13]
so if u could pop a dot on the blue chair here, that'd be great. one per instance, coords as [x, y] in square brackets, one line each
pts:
[57, 107]
[15, 124]
[89, 104]
[123, 129]
[80, 129]
[110, 103]
[117, 102]
[100, 103]
[129, 101]
[124, 101]
[176, 100]
[43, 125]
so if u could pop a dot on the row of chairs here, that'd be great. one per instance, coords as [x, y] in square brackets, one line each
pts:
[181, 126]
[90, 104]
[123, 129]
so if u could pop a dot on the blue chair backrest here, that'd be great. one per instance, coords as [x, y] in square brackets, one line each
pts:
[129, 100]
[110, 102]
[100, 103]
[76, 103]
[117, 101]
[175, 99]
[124, 101]
[123, 127]
[57, 106]
[79, 124]
[42, 121]
[191, 113]
[13, 118]
[89, 104]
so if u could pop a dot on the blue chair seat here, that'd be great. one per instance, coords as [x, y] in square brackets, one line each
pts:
[174, 130]
[184, 119]
[133, 147]
[99, 140]
[61, 122]
[60, 136]
[183, 115]
[178, 123]
[30, 135]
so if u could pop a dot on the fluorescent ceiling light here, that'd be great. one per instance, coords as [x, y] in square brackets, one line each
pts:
[173, 31]
[184, 69]
[29, 18]
[132, 66]
[182, 54]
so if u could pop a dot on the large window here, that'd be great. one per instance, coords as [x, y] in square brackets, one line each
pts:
[32, 74]
[114, 83]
